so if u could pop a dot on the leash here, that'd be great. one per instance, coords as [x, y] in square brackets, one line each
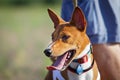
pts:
[75, 2]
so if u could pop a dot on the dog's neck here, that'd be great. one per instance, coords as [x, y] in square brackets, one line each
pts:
[83, 62]
[86, 51]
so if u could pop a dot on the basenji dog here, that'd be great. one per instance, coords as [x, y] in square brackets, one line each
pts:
[70, 49]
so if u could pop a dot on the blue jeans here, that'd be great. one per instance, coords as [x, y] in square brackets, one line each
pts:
[103, 19]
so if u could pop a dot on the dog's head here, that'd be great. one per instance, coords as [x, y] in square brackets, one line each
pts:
[68, 40]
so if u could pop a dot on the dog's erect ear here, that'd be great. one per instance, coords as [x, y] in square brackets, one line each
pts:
[55, 18]
[78, 19]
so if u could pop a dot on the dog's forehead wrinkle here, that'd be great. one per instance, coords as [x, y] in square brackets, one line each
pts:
[60, 29]
[65, 29]
[56, 32]
[71, 31]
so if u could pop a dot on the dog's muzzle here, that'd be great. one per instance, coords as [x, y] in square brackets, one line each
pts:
[47, 52]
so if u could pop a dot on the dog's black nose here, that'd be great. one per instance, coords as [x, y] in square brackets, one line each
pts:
[47, 52]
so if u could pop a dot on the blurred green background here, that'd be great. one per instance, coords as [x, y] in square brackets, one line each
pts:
[25, 30]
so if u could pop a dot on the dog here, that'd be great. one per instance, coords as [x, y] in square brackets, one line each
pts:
[70, 49]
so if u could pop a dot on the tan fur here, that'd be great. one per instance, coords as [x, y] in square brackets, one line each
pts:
[77, 38]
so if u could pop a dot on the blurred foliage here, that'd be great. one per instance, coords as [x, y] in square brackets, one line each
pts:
[27, 2]
[24, 34]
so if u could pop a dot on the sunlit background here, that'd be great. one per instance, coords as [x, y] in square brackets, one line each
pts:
[25, 30]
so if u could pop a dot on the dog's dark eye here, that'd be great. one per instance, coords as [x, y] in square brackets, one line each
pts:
[65, 37]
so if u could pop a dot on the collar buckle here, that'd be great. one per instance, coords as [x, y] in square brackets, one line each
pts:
[79, 69]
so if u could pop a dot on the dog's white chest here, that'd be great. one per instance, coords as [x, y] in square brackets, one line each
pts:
[72, 76]
[85, 76]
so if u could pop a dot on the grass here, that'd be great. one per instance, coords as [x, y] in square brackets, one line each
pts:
[24, 34]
